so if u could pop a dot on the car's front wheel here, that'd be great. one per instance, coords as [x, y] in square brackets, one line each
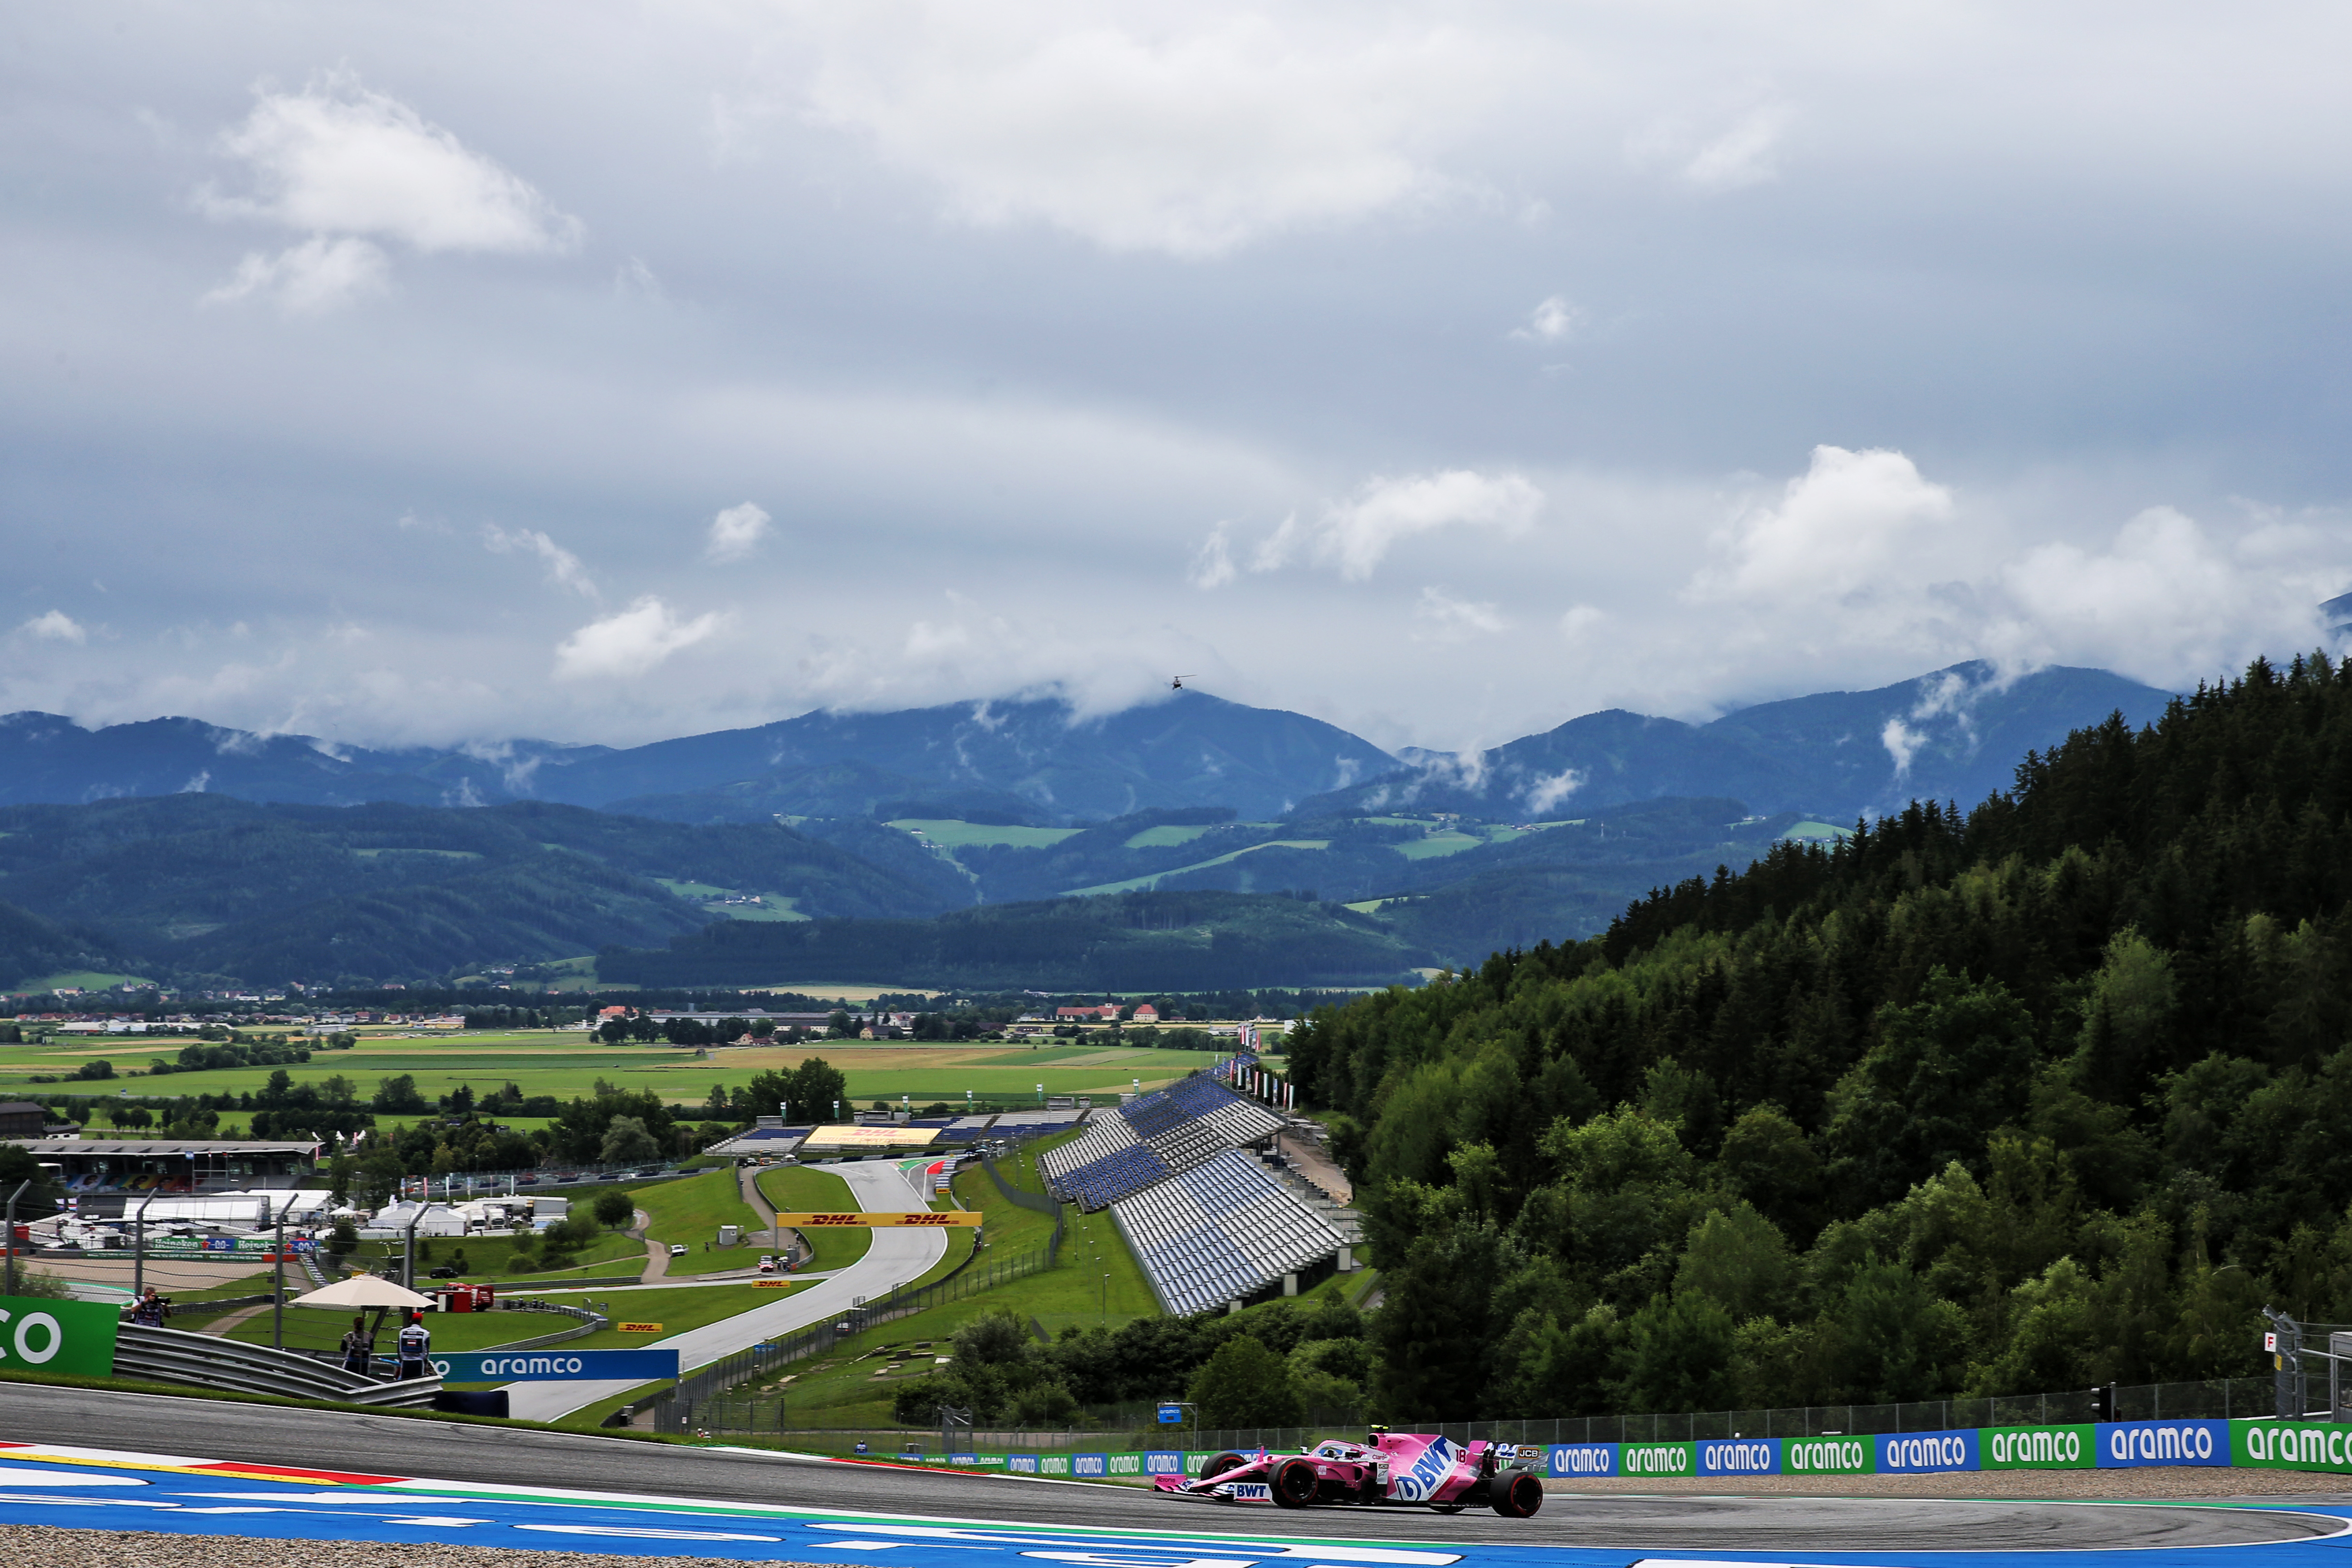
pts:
[1220, 1463]
[1295, 1483]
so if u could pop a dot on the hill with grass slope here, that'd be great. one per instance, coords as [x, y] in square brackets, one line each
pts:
[2031, 1098]
[204, 884]
[1135, 941]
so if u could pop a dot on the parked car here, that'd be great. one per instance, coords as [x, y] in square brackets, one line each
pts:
[677, 1249]
[444, 1272]
[767, 1265]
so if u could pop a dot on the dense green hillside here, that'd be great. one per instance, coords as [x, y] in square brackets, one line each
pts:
[2046, 1095]
[1137, 942]
[201, 883]
[31, 948]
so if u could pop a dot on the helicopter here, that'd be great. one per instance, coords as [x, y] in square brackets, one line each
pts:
[1176, 682]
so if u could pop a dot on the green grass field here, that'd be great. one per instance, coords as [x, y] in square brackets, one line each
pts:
[1140, 883]
[811, 1189]
[952, 835]
[691, 1211]
[558, 1062]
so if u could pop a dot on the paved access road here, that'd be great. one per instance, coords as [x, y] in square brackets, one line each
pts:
[896, 1256]
[1884, 1529]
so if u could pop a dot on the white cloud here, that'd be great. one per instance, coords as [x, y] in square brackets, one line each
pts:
[1358, 533]
[562, 566]
[310, 278]
[1902, 743]
[1744, 155]
[737, 533]
[1449, 619]
[54, 625]
[1213, 566]
[1838, 527]
[1189, 133]
[347, 165]
[1547, 790]
[2163, 595]
[630, 642]
[1550, 321]
[1275, 549]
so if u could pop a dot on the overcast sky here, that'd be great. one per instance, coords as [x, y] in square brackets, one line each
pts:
[436, 372]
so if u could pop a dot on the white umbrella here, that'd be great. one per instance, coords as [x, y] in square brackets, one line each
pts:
[361, 1291]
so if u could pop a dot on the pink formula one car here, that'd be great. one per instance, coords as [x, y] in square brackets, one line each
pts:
[1392, 1468]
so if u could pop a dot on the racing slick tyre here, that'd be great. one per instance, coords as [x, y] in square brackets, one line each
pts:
[1295, 1483]
[1220, 1463]
[1517, 1495]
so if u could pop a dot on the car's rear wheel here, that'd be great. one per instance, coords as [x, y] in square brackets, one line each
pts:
[1517, 1495]
[1295, 1483]
[1220, 1463]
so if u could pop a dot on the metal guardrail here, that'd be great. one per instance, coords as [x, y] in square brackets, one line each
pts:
[1032, 1201]
[207, 1361]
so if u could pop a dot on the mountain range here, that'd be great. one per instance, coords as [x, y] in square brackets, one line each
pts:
[178, 849]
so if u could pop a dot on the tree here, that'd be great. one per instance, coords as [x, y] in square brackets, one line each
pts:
[614, 1208]
[398, 1097]
[627, 1141]
[1245, 1384]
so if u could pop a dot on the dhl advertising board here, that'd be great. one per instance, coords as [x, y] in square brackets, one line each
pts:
[920, 1219]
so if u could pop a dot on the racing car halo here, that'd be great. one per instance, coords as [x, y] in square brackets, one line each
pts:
[1386, 1469]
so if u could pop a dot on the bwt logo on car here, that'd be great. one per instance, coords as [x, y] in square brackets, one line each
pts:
[1737, 1458]
[1436, 1463]
[2043, 1447]
[1583, 1459]
[1834, 1457]
[1935, 1451]
[1671, 1459]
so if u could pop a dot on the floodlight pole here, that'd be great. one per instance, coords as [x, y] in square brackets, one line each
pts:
[408, 1257]
[12, 1235]
[278, 1300]
[139, 1246]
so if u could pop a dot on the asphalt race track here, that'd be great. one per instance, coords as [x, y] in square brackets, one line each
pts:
[475, 1479]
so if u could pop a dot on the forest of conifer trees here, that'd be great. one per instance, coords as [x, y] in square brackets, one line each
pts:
[2053, 1092]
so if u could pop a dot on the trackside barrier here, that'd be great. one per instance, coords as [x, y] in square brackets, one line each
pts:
[2122, 1445]
[208, 1360]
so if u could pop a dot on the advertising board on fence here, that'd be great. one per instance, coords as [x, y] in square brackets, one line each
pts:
[40, 1335]
[2128, 1445]
[555, 1364]
[1738, 1456]
[1913, 1453]
[1584, 1459]
[2040, 1448]
[2289, 1446]
[1653, 1458]
[1826, 1456]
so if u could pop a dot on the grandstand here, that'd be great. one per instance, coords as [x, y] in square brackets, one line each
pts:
[1151, 1138]
[1220, 1232]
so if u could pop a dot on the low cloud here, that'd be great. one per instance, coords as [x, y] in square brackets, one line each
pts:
[1192, 135]
[562, 566]
[54, 625]
[350, 166]
[1213, 566]
[1444, 619]
[1548, 791]
[311, 278]
[630, 642]
[1837, 528]
[1552, 322]
[737, 533]
[1716, 156]
[1358, 533]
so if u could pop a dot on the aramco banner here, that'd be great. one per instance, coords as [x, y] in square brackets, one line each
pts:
[39, 1335]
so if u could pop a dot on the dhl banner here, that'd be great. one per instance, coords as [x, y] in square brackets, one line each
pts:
[921, 1217]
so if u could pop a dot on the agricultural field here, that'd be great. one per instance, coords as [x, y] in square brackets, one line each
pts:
[952, 835]
[560, 1063]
